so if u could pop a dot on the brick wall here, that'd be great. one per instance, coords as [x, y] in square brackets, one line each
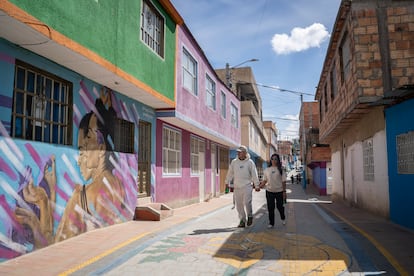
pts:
[381, 36]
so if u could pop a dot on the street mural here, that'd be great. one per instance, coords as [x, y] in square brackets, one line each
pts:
[49, 193]
[238, 252]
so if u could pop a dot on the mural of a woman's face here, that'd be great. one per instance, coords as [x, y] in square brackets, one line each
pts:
[95, 144]
[83, 157]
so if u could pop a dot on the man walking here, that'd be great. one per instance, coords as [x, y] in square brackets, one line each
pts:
[243, 172]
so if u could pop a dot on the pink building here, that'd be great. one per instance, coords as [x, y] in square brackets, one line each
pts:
[194, 138]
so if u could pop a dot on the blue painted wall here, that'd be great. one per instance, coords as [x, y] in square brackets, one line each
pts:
[399, 120]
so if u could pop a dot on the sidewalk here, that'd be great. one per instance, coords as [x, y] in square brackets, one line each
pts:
[64, 258]
[71, 255]
[393, 241]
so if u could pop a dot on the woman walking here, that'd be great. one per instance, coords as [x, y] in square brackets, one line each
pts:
[274, 180]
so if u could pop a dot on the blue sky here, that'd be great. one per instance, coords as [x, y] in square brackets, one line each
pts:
[289, 37]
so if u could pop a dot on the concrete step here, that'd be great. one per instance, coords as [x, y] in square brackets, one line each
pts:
[153, 212]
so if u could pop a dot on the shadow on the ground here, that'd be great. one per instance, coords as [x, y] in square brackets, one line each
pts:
[210, 231]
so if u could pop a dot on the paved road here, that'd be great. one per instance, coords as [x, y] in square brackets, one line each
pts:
[311, 243]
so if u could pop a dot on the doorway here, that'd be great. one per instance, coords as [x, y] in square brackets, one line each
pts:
[144, 159]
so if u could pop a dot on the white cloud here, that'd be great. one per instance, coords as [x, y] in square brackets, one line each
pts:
[300, 39]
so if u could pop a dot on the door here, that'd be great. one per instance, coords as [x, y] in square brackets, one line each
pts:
[353, 170]
[329, 178]
[144, 159]
[224, 162]
[202, 167]
[213, 169]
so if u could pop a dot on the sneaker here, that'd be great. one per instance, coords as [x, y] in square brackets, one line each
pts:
[270, 226]
[284, 222]
[249, 221]
[241, 224]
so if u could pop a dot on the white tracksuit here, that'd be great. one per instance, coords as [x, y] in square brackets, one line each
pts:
[243, 173]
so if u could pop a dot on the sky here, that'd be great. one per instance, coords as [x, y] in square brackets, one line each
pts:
[288, 37]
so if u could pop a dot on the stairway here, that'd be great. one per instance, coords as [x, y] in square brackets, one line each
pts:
[153, 212]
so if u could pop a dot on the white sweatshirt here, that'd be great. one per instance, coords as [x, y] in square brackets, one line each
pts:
[274, 179]
[243, 172]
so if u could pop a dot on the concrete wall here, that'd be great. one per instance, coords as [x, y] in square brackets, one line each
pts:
[371, 195]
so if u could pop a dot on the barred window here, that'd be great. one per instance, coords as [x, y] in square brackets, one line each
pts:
[41, 106]
[124, 136]
[171, 151]
[368, 156]
[197, 146]
[189, 73]
[405, 152]
[152, 28]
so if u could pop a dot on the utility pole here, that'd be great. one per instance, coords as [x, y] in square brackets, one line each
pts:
[304, 142]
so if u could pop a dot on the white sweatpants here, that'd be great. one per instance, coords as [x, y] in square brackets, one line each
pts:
[243, 198]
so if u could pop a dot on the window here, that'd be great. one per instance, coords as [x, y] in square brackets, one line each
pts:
[197, 146]
[234, 115]
[368, 156]
[211, 93]
[321, 110]
[41, 106]
[171, 151]
[345, 54]
[223, 105]
[189, 73]
[334, 86]
[405, 152]
[325, 98]
[152, 28]
[124, 136]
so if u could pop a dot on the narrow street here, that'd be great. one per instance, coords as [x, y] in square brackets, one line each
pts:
[311, 243]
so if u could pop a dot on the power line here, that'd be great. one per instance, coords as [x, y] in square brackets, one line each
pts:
[277, 88]
[279, 118]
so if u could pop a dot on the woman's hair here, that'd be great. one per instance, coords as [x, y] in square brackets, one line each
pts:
[278, 163]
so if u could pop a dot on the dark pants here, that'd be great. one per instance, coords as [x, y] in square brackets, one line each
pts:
[270, 199]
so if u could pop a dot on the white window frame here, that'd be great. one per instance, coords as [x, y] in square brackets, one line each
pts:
[210, 93]
[190, 77]
[223, 102]
[234, 115]
[196, 146]
[171, 151]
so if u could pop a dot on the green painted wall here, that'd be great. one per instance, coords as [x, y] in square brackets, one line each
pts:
[111, 29]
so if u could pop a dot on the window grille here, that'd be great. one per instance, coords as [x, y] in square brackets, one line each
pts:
[368, 156]
[152, 28]
[41, 108]
[124, 136]
[405, 153]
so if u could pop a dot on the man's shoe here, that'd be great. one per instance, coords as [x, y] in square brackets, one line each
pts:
[284, 222]
[241, 224]
[249, 221]
[270, 226]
